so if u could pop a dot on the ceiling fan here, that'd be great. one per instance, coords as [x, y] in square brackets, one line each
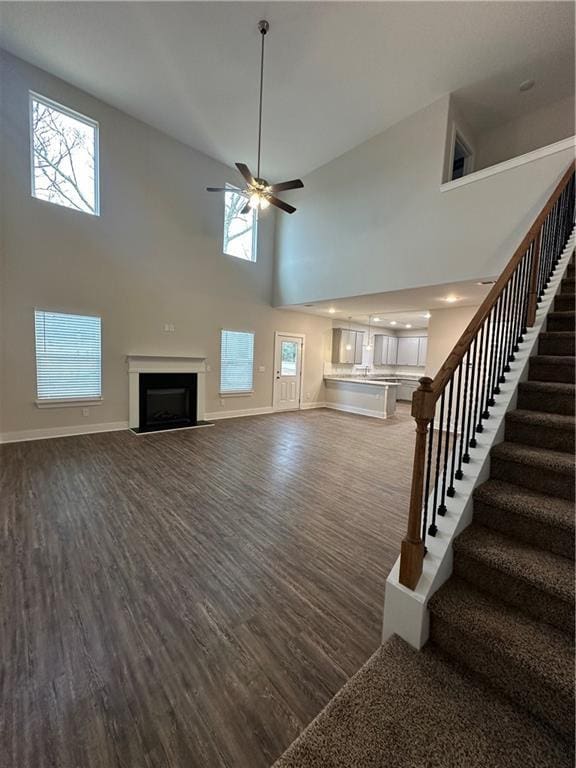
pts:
[259, 193]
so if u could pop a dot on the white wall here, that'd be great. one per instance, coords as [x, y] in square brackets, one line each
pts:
[445, 327]
[375, 219]
[154, 256]
[538, 129]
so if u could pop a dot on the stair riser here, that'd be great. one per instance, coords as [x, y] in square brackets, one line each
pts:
[557, 346]
[536, 479]
[530, 531]
[530, 400]
[540, 605]
[541, 436]
[564, 302]
[567, 285]
[543, 701]
[542, 371]
[555, 323]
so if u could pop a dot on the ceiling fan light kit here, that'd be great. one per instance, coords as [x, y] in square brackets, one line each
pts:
[259, 193]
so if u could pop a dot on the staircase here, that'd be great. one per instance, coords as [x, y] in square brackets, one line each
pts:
[494, 687]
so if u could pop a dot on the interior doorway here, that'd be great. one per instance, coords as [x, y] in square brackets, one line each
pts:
[288, 355]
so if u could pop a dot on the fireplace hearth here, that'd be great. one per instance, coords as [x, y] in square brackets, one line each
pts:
[167, 401]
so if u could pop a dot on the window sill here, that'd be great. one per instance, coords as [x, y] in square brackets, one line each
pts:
[236, 394]
[69, 402]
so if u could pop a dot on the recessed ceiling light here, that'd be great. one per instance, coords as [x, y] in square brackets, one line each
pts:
[376, 319]
[331, 310]
[527, 85]
[408, 325]
[392, 322]
[308, 305]
[451, 298]
[486, 282]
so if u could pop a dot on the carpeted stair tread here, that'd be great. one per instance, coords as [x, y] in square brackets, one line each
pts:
[560, 321]
[545, 651]
[536, 458]
[530, 504]
[410, 709]
[560, 360]
[558, 421]
[542, 570]
[557, 343]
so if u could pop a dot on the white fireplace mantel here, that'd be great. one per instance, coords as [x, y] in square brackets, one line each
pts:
[138, 364]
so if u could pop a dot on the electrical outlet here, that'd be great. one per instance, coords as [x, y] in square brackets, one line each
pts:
[307, 395]
[222, 403]
[261, 369]
[169, 327]
[85, 411]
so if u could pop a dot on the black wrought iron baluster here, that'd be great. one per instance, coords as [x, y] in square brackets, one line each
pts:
[451, 490]
[433, 530]
[466, 456]
[466, 363]
[503, 357]
[526, 293]
[522, 299]
[509, 314]
[438, 454]
[514, 314]
[442, 508]
[427, 482]
[484, 413]
[495, 388]
[476, 369]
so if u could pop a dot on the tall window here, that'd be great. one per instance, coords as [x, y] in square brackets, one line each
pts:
[240, 229]
[68, 356]
[64, 149]
[236, 362]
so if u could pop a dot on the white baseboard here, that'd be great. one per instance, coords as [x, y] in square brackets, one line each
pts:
[46, 434]
[358, 411]
[308, 406]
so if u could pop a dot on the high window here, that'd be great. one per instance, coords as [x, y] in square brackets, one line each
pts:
[64, 148]
[240, 229]
[68, 356]
[236, 362]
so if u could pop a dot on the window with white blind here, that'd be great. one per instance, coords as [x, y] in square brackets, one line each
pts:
[236, 362]
[68, 356]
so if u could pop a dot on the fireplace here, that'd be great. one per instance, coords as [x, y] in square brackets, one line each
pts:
[167, 401]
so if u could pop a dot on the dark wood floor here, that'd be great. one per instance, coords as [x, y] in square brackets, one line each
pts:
[192, 598]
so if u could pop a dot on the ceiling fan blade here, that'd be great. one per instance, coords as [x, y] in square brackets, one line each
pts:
[280, 204]
[245, 171]
[247, 208]
[294, 184]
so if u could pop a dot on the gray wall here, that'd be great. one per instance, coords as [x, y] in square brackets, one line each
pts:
[538, 129]
[375, 219]
[154, 256]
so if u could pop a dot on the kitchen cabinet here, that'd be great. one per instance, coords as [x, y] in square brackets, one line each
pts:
[407, 350]
[385, 349]
[406, 389]
[392, 350]
[412, 350]
[347, 346]
[422, 350]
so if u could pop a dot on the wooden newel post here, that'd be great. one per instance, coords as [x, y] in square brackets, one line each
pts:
[533, 289]
[412, 552]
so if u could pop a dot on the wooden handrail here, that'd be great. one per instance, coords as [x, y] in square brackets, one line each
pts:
[526, 260]
[463, 344]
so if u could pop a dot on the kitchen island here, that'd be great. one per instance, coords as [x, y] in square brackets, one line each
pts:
[362, 395]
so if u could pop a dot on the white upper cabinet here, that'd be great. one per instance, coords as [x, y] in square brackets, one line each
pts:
[422, 349]
[408, 350]
[392, 350]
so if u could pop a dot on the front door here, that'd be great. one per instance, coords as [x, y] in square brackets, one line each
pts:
[287, 371]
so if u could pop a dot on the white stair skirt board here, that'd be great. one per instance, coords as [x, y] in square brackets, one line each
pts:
[405, 611]
[51, 432]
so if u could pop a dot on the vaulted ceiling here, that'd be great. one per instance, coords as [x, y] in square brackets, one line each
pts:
[336, 73]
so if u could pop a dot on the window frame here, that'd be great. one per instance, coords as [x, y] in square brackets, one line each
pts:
[63, 402]
[230, 188]
[237, 392]
[50, 103]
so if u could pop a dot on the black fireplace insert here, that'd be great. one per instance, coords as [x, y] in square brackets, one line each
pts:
[168, 401]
